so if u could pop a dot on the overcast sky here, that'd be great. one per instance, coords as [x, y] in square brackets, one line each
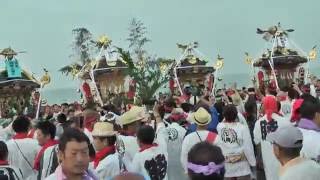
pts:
[227, 27]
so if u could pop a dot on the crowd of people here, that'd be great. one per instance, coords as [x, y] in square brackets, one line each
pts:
[238, 134]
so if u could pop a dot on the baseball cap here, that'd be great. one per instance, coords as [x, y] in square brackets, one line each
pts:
[287, 137]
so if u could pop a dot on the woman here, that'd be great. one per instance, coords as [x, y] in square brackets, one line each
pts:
[236, 144]
[104, 138]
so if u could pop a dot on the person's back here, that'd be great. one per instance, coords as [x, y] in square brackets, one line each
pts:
[202, 118]
[236, 145]
[152, 159]
[22, 153]
[173, 135]
[49, 162]
[306, 169]
[309, 126]
[22, 150]
[7, 171]
[265, 125]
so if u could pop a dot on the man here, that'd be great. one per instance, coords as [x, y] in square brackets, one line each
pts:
[74, 156]
[46, 132]
[309, 125]
[270, 122]
[7, 171]
[202, 118]
[127, 145]
[152, 159]
[287, 142]
[171, 134]
[64, 108]
[205, 162]
[22, 150]
[56, 110]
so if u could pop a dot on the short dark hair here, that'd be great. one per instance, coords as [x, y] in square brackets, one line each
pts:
[250, 107]
[62, 118]
[3, 151]
[64, 104]
[47, 128]
[279, 105]
[202, 154]
[308, 97]
[70, 111]
[21, 124]
[292, 94]
[146, 134]
[290, 152]
[309, 108]
[186, 107]
[110, 139]
[72, 134]
[230, 113]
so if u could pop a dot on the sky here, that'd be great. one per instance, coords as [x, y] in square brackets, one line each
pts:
[43, 28]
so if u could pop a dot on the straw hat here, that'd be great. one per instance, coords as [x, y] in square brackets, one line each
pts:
[201, 117]
[136, 113]
[103, 129]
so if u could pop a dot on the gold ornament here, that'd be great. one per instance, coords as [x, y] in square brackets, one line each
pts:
[45, 79]
[192, 60]
[313, 53]
[219, 63]
[103, 41]
[112, 63]
[248, 59]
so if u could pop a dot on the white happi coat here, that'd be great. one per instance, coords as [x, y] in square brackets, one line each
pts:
[235, 139]
[147, 161]
[130, 147]
[286, 108]
[108, 167]
[189, 141]
[16, 171]
[173, 136]
[29, 148]
[270, 162]
[311, 144]
[46, 162]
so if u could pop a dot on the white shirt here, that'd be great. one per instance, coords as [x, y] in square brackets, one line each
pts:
[311, 144]
[189, 141]
[88, 134]
[130, 147]
[108, 167]
[270, 162]
[235, 139]
[286, 108]
[173, 136]
[152, 162]
[29, 147]
[17, 172]
[301, 169]
[47, 161]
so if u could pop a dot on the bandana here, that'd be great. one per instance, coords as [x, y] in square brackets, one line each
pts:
[270, 106]
[20, 136]
[205, 170]
[102, 154]
[296, 105]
